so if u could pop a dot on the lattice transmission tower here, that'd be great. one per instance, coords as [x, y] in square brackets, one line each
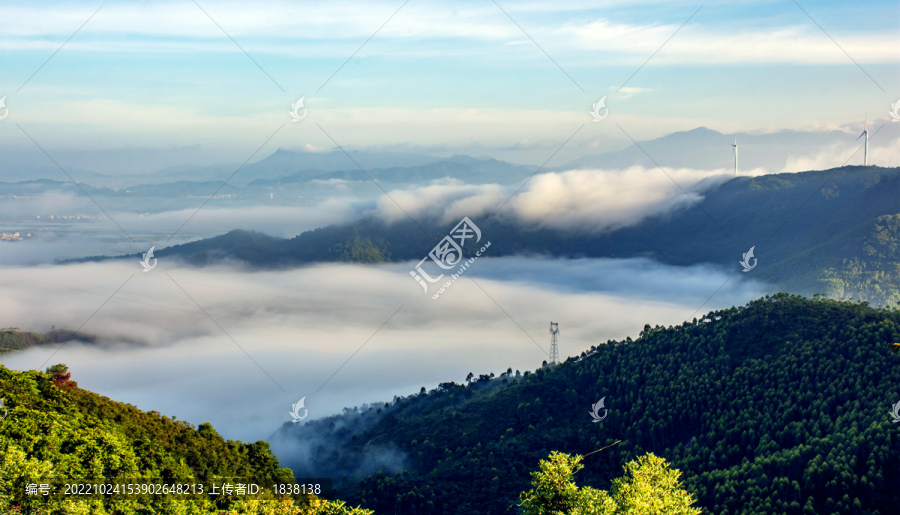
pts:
[554, 345]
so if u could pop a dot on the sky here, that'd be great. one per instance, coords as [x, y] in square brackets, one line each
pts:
[515, 79]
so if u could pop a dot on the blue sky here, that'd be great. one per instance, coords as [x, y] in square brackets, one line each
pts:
[439, 75]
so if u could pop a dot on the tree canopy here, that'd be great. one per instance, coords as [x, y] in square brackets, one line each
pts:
[55, 430]
[649, 487]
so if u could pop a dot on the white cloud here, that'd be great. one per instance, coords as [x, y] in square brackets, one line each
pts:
[301, 325]
[593, 200]
[800, 44]
[628, 91]
[840, 154]
[325, 30]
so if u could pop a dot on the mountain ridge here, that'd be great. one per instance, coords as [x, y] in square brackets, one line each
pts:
[680, 149]
[840, 212]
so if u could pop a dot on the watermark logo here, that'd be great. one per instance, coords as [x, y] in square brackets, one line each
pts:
[893, 112]
[601, 104]
[295, 107]
[746, 261]
[146, 261]
[895, 414]
[595, 410]
[447, 254]
[296, 411]
[6, 109]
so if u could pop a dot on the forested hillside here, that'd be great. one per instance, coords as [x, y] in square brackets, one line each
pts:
[50, 428]
[777, 407]
[833, 232]
[12, 339]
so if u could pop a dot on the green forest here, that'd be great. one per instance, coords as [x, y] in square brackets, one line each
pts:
[777, 407]
[59, 431]
[51, 429]
[781, 406]
[12, 339]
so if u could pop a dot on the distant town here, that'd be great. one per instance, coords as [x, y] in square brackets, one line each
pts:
[13, 236]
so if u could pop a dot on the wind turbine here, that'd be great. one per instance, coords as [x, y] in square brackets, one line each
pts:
[735, 154]
[865, 133]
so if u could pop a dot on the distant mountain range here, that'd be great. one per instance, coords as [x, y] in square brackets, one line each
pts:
[706, 149]
[835, 232]
[463, 168]
[282, 173]
[699, 148]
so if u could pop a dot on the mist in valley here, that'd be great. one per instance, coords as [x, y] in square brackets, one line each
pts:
[294, 332]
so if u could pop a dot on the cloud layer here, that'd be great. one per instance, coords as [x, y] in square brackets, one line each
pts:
[299, 327]
[587, 200]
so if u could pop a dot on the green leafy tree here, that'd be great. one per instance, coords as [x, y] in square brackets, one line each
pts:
[554, 491]
[649, 487]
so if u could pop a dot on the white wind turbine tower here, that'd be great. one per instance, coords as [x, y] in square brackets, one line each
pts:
[735, 154]
[865, 133]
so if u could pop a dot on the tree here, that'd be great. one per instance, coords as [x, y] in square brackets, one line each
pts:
[649, 487]
[555, 493]
[60, 376]
[93, 436]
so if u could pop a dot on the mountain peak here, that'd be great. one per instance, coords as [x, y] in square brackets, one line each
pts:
[700, 133]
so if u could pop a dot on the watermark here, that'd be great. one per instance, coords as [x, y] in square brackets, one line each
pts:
[460, 271]
[295, 107]
[895, 414]
[295, 413]
[6, 109]
[601, 104]
[746, 261]
[146, 261]
[6, 413]
[447, 254]
[595, 410]
[145, 490]
[893, 112]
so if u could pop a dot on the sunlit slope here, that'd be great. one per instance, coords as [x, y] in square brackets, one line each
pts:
[53, 429]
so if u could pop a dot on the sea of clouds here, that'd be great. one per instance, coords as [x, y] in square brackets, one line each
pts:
[238, 348]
